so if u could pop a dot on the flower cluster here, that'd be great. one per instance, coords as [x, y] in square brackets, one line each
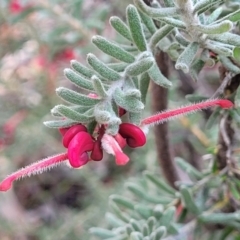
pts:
[78, 142]
[83, 147]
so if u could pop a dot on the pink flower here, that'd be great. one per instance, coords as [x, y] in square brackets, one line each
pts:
[15, 7]
[111, 146]
[79, 142]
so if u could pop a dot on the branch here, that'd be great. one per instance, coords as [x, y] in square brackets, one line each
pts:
[159, 103]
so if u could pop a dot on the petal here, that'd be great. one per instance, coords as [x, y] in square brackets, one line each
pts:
[134, 135]
[111, 146]
[81, 143]
[72, 131]
[35, 168]
[97, 152]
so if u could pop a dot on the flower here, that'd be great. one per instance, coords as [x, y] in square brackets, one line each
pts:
[111, 146]
[15, 7]
[79, 142]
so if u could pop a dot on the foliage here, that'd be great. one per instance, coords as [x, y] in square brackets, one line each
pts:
[109, 112]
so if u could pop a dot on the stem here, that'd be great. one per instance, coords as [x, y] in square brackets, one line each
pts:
[34, 168]
[159, 103]
[226, 132]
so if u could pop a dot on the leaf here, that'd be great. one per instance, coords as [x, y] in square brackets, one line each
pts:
[78, 80]
[158, 77]
[148, 22]
[143, 210]
[78, 67]
[217, 28]
[189, 201]
[75, 98]
[73, 115]
[229, 38]
[186, 57]
[135, 27]
[123, 216]
[59, 123]
[101, 232]
[122, 201]
[159, 183]
[99, 87]
[155, 12]
[167, 217]
[102, 68]
[228, 64]
[144, 84]
[113, 220]
[120, 27]
[140, 66]
[236, 54]
[188, 168]
[118, 67]
[159, 35]
[112, 49]
[129, 103]
[212, 119]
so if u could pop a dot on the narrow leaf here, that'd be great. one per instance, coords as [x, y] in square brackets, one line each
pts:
[158, 78]
[135, 26]
[73, 115]
[112, 49]
[187, 56]
[131, 104]
[78, 67]
[188, 200]
[120, 27]
[228, 38]
[155, 12]
[218, 28]
[148, 22]
[60, 123]
[144, 84]
[102, 68]
[75, 98]
[188, 168]
[228, 64]
[159, 183]
[78, 80]
[99, 87]
[140, 66]
[159, 35]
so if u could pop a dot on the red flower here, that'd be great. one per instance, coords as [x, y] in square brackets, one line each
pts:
[15, 7]
[78, 142]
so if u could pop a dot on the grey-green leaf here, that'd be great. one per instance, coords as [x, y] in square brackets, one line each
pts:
[102, 69]
[139, 66]
[135, 27]
[120, 27]
[187, 56]
[112, 49]
[78, 80]
[156, 76]
[75, 98]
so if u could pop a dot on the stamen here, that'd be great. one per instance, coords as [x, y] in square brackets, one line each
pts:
[169, 114]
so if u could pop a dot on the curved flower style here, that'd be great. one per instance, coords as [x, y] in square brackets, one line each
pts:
[79, 142]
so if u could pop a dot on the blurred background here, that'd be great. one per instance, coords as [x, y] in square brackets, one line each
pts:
[37, 41]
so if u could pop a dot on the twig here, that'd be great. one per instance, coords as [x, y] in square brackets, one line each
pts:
[159, 103]
[223, 85]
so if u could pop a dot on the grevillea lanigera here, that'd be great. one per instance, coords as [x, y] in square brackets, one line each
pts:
[83, 146]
